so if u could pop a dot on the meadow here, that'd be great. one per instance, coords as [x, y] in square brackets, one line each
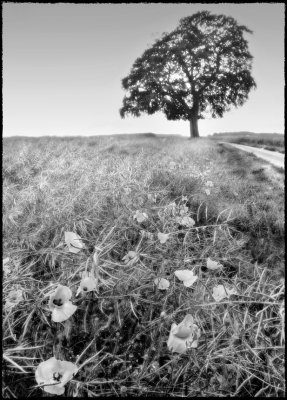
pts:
[267, 141]
[144, 207]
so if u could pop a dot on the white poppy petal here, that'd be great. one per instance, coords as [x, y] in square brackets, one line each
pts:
[74, 242]
[193, 344]
[210, 264]
[14, 297]
[191, 222]
[185, 221]
[60, 296]
[183, 336]
[46, 371]
[162, 283]
[131, 257]
[188, 320]
[132, 254]
[183, 274]
[55, 389]
[63, 313]
[6, 266]
[73, 249]
[182, 331]
[64, 292]
[174, 343]
[186, 276]
[219, 292]
[185, 328]
[231, 291]
[68, 370]
[195, 337]
[162, 237]
[190, 282]
[140, 216]
[89, 284]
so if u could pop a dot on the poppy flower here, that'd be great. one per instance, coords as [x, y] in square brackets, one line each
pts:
[54, 374]
[146, 234]
[186, 276]
[162, 237]
[88, 284]
[14, 297]
[59, 304]
[220, 292]
[210, 264]
[140, 216]
[209, 183]
[131, 257]
[6, 266]
[183, 336]
[185, 221]
[162, 283]
[74, 242]
[169, 209]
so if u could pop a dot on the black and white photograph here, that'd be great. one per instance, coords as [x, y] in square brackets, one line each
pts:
[143, 213]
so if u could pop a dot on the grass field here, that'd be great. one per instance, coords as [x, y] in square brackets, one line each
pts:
[117, 194]
[268, 141]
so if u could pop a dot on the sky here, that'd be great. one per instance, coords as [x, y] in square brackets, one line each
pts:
[63, 65]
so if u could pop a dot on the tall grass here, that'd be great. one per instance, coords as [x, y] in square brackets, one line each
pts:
[93, 187]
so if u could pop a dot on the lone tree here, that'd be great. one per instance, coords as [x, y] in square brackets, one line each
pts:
[200, 69]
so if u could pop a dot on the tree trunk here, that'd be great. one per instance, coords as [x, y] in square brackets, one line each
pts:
[193, 127]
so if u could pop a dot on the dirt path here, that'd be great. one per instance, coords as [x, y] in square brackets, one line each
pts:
[271, 156]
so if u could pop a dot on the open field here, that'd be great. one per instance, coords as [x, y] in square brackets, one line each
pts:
[118, 194]
[268, 141]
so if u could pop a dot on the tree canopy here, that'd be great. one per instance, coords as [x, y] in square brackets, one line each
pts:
[200, 69]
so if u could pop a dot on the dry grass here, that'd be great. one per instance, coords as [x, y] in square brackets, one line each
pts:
[118, 336]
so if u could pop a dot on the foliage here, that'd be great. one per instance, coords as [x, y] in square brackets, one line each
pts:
[201, 68]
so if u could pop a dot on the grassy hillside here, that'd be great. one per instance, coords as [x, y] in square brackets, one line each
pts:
[268, 141]
[118, 194]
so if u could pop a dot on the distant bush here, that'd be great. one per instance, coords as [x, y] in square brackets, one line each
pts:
[149, 134]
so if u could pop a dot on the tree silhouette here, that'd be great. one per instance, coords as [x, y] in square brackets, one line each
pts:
[200, 69]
